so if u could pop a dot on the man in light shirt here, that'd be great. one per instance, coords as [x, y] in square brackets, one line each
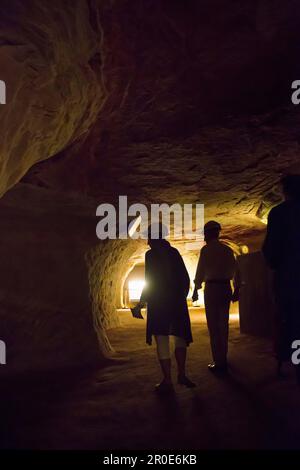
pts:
[217, 267]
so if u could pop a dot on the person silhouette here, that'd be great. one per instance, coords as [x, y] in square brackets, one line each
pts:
[216, 267]
[281, 249]
[166, 288]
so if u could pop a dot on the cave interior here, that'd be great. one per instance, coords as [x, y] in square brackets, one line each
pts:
[164, 102]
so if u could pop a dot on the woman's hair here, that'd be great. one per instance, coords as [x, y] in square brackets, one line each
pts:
[291, 186]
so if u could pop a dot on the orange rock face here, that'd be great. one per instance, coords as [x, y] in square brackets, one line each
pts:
[51, 64]
[179, 103]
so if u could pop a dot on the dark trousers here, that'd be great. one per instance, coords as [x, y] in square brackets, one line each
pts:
[217, 299]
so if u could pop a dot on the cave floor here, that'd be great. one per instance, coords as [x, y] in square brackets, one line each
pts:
[115, 407]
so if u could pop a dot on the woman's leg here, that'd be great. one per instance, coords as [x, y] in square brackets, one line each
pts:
[180, 355]
[164, 357]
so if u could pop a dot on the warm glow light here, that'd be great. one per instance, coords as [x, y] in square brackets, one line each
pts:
[234, 316]
[135, 288]
[194, 246]
[263, 212]
[245, 249]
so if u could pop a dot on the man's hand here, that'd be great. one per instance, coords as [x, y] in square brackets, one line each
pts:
[195, 296]
[235, 296]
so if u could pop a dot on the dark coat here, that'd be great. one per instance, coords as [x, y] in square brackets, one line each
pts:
[166, 289]
[282, 252]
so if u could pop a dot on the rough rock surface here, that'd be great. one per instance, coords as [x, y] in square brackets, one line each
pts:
[45, 301]
[59, 286]
[198, 108]
[50, 55]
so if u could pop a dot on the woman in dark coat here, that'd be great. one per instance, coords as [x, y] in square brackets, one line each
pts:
[167, 286]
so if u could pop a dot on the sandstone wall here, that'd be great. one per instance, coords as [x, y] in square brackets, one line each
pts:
[46, 302]
[50, 59]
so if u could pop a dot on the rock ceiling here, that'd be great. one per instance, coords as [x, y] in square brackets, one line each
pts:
[164, 101]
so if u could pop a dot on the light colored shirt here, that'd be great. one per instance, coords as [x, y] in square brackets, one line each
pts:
[216, 262]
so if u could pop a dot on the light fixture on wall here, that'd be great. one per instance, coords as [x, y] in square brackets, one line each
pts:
[244, 249]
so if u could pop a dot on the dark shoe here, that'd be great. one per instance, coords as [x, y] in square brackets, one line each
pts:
[164, 388]
[183, 380]
[213, 367]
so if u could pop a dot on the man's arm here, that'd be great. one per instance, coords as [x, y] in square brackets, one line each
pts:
[237, 282]
[199, 277]
[272, 246]
[200, 271]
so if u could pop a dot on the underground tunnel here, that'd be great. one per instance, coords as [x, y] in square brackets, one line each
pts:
[164, 102]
